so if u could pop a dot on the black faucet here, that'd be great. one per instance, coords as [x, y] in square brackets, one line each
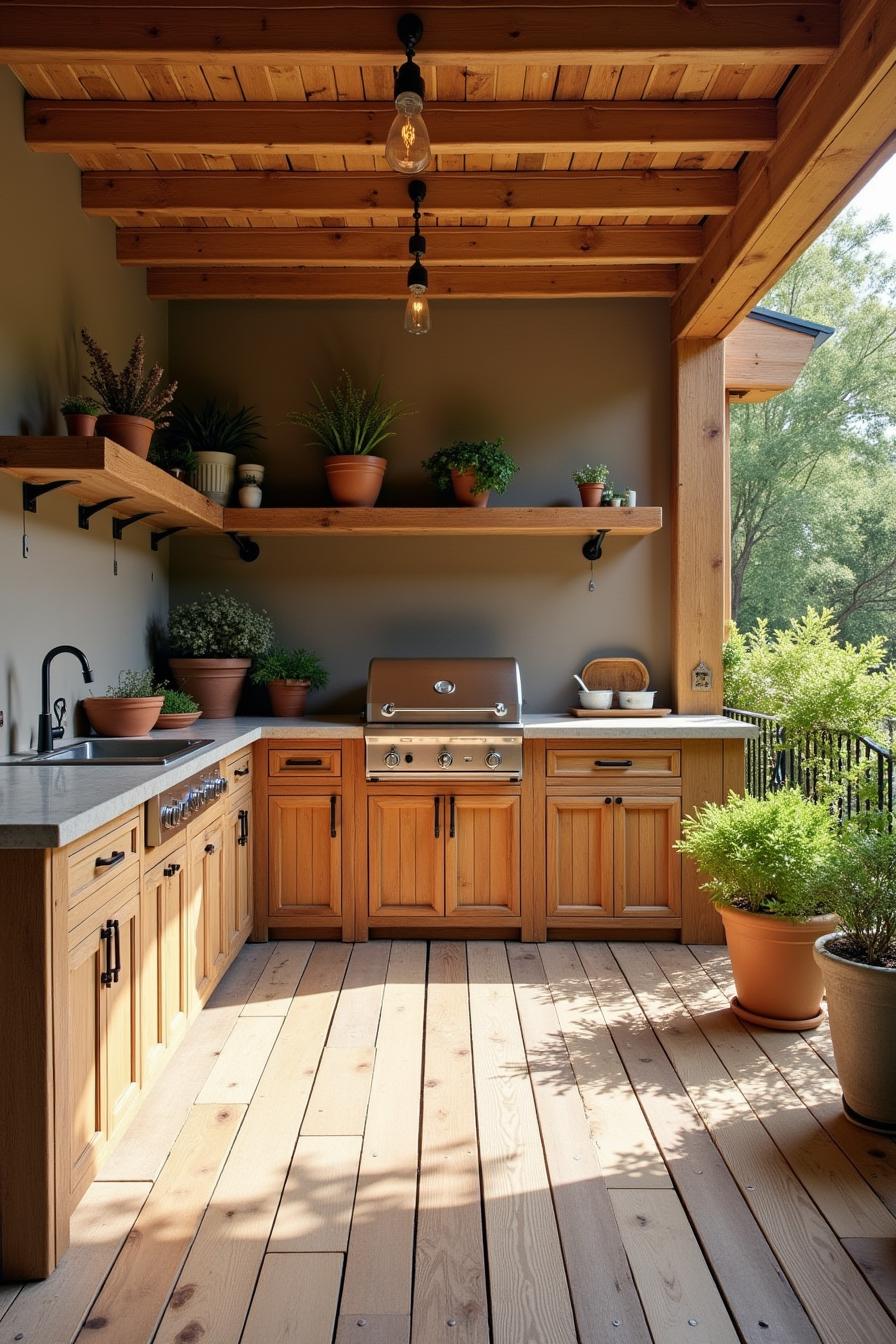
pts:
[46, 732]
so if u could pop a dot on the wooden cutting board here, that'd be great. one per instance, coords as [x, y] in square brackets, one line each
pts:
[616, 674]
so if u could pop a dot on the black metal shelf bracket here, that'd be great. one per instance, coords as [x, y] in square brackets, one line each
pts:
[86, 511]
[593, 548]
[32, 493]
[156, 537]
[119, 524]
[249, 550]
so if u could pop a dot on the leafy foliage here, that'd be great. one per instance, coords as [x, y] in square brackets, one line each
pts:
[589, 475]
[78, 405]
[763, 855]
[134, 685]
[291, 665]
[130, 392]
[351, 422]
[177, 702]
[171, 455]
[212, 428]
[219, 625]
[859, 881]
[494, 469]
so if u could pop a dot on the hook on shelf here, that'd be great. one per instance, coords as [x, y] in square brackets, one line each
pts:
[156, 537]
[119, 524]
[32, 493]
[86, 511]
[248, 549]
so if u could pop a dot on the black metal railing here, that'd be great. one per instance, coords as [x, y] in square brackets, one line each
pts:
[854, 773]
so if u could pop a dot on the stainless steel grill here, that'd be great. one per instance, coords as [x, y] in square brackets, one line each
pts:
[428, 718]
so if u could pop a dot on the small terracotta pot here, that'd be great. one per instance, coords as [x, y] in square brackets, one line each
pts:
[862, 1010]
[216, 683]
[122, 716]
[355, 480]
[591, 495]
[777, 981]
[288, 698]
[464, 492]
[131, 431]
[186, 720]
[80, 424]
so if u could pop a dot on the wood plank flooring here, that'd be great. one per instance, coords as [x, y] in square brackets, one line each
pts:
[480, 1143]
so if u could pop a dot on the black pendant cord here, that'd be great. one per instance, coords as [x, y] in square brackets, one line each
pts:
[417, 273]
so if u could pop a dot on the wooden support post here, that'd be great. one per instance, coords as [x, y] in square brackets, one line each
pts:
[700, 490]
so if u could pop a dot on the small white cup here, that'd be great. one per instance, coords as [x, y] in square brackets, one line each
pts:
[595, 699]
[250, 496]
[636, 699]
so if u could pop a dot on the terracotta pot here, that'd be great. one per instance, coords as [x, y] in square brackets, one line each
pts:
[354, 480]
[80, 424]
[131, 431]
[591, 495]
[170, 721]
[464, 493]
[777, 981]
[288, 698]
[122, 716]
[862, 1010]
[216, 683]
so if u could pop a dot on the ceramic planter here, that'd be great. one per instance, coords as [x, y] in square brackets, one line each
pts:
[215, 683]
[213, 475]
[122, 716]
[862, 1011]
[591, 495]
[355, 480]
[171, 721]
[80, 424]
[464, 490]
[288, 698]
[777, 980]
[131, 431]
[249, 496]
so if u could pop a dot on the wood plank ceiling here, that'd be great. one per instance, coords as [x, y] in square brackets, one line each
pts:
[577, 149]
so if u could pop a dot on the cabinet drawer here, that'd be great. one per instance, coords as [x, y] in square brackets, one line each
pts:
[238, 770]
[106, 854]
[304, 762]
[598, 762]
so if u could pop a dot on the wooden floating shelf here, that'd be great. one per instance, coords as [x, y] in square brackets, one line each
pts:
[444, 522]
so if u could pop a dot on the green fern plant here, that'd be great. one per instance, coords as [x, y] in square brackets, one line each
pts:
[213, 428]
[349, 421]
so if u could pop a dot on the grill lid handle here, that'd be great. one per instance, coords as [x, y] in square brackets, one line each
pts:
[389, 709]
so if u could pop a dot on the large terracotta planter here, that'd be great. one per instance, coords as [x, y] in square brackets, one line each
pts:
[288, 698]
[464, 490]
[122, 716]
[80, 425]
[591, 495]
[777, 980]
[862, 1012]
[131, 431]
[216, 683]
[355, 480]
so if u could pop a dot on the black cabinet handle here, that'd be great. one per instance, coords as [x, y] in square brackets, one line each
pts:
[608, 800]
[333, 816]
[619, 800]
[243, 817]
[209, 849]
[117, 856]
[309, 760]
[244, 771]
[436, 831]
[614, 765]
[106, 940]
[452, 829]
[170, 870]
[175, 868]
[116, 934]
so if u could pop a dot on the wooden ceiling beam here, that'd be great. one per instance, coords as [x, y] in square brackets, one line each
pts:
[366, 195]
[461, 282]
[714, 32]
[348, 128]
[590, 246]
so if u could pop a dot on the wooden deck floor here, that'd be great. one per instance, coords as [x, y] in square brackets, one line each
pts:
[476, 1142]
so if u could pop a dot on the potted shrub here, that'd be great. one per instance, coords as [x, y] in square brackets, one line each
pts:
[80, 414]
[213, 435]
[858, 966]
[473, 470]
[128, 709]
[134, 403]
[179, 710]
[764, 858]
[177, 458]
[289, 675]
[349, 425]
[591, 482]
[214, 640]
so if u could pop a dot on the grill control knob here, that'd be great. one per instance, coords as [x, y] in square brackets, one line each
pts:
[445, 759]
[392, 758]
[167, 816]
[493, 760]
[193, 801]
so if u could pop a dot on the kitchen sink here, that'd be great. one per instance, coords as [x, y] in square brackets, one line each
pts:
[120, 751]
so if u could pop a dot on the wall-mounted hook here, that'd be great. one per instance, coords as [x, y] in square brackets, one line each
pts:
[249, 550]
[86, 511]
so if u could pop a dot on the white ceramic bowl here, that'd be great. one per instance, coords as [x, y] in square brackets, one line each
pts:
[595, 699]
[636, 699]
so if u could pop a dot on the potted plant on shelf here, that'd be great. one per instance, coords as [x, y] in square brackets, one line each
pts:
[179, 710]
[473, 470]
[764, 858]
[176, 458]
[213, 641]
[134, 403]
[591, 482]
[213, 435]
[349, 425]
[128, 709]
[80, 414]
[858, 967]
[289, 675]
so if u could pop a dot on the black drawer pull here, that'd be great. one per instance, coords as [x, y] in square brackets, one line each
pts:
[117, 856]
[308, 760]
[106, 940]
[244, 771]
[243, 818]
[436, 830]
[608, 800]
[210, 849]
[333, 816]
[619, 800]
[614, 765]
[452, 829]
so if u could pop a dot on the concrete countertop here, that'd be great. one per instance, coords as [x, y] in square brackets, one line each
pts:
[47, 806]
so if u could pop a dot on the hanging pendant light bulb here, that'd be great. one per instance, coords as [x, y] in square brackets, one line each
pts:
[407, 144]
[416, 313]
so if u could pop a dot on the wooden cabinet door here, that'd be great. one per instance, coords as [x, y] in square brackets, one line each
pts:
[482, 855]
[209, 943]
[647, 869]
[164, 916]
[406, 855]
[238, 901]
[579, 857]
[122, 1015]
[84, 1060]
[305, 854]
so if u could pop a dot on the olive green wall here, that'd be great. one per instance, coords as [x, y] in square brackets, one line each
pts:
[57, 273]
[563, 382]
